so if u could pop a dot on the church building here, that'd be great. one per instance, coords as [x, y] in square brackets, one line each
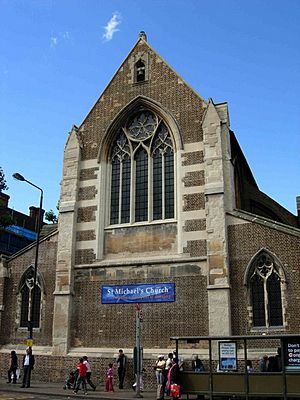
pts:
[159, 207]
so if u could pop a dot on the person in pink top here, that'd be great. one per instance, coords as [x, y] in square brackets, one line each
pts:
[109, 379]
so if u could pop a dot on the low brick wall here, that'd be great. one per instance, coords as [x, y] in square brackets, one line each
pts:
[56, 369]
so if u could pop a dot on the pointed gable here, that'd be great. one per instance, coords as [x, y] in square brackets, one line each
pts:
[160, 84]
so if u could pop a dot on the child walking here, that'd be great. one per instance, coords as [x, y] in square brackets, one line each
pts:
[109, 379]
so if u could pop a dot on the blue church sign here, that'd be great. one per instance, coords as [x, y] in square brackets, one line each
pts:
[143, 293]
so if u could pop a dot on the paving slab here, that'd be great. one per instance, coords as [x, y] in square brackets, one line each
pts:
[56, 389]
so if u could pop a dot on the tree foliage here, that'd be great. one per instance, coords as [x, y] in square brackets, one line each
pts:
[3, 185]
[50, 216]
[5, 218]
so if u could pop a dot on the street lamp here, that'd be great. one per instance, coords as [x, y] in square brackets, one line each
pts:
[20, 177]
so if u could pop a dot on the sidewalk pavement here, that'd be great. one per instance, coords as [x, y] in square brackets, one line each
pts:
[56, 389]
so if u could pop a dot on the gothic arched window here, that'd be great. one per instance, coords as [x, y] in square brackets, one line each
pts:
[26, 298]
[265, 292]
[142, 171]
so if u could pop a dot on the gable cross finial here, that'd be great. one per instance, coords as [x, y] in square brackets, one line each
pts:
[142, 35]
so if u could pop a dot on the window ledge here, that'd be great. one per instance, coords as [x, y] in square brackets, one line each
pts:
[21, 329]
[143, 223]
[264, 329]
[140, 83]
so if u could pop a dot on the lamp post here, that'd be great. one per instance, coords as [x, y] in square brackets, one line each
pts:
[19, 177]
[139, 319]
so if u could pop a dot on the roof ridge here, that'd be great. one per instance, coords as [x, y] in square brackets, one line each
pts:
[31, 245]
[264, 221]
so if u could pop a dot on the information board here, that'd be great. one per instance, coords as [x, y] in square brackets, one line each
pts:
[227, 356]
[292, 352]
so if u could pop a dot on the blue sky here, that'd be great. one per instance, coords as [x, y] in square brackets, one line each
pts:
[57, 56]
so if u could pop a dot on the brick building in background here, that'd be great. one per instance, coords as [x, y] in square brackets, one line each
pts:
[22, 232]
[155, 190]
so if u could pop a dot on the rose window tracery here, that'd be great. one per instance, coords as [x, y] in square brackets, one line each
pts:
[142, 126]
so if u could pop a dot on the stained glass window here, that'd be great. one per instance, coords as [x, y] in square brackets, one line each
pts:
[141, 186]
[169, 184]
[275, 305]
[125, 208]
[142, 171]
[258, 301]
[24, 307]
[26, 295]
[265, 285]
[157, 186]
[37, 307]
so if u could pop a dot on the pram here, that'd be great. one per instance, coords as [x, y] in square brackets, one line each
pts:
[70, 382]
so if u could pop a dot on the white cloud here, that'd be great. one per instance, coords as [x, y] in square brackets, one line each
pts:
[65, 35]
[61, 37]
[111, 26]
[53, 41]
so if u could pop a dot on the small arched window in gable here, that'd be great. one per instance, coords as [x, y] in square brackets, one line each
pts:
[140, 71]
[266, 292]
[26, 299]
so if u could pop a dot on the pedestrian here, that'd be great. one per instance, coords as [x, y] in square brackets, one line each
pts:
[263, 363]
[173, 380]
[180, 360]
[169, 362]
[88, 372]
[122, 365]
[249, 366]
[109, 378]
[28, 364]
[81, 376]
[159, 368]
[197, 364]
[13, 367]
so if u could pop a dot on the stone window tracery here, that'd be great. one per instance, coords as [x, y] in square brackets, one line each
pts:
[26, 298]
[142, 171]
[266, 292]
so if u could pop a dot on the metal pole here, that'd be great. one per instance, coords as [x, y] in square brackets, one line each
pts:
[21, 178]
[246, 370]
[210, 371]
[283, 370]
[138, 351]
[30, 322]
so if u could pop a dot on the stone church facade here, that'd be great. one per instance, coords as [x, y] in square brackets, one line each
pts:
[155, 189]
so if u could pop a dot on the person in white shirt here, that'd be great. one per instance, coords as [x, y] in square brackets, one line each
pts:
[28, 363]
[88, 372]
[169, 362]
[180, 360]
